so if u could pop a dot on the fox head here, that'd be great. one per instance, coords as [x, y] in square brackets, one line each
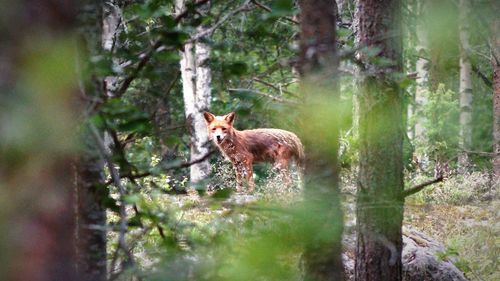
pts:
[220, 128]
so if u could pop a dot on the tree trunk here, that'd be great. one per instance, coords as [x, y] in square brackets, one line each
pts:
[465, 141]
[422, 69]
[112, 21]
[201, 145]
[196, 81]
[318, 69]
[37, 120]
[91, 216]
[495, 61]
[379, 206]
[90, 190]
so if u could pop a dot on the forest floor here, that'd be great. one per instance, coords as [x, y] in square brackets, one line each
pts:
[461, 213]
[470, 232]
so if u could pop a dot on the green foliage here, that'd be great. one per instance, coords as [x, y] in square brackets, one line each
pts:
[441, 127]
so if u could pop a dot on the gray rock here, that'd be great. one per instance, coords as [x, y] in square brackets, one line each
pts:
[420, 258]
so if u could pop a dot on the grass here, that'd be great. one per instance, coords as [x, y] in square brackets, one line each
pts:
[219, 238]
[463, 213]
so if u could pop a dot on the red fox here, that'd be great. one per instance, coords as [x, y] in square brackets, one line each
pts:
[243, 148]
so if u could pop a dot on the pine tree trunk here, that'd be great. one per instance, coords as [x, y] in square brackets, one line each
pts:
[91, 214]
[318, 69]
[379, 206]
[495, 61]
[196, 81]
[37, 218]
[465, 141]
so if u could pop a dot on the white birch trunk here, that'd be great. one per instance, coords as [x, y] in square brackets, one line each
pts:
[200, 140]
[111, 30]
[196, 81]
[465, 89]
[495, 63]
[422, 80]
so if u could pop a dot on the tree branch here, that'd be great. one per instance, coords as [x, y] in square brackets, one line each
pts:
[483, 77]
[272, 86]
[121, 190]
[419, 187]
[267, 9]
[211, 29]
[145, 57]
[181, 165]
[275, 98]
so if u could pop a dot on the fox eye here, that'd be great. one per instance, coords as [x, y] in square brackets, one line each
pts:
[224, 129]
[213, 129]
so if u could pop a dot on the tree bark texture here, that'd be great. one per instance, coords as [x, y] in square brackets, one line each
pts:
[422, 69]
[111, 29]
[379, 206]
[91, 216]
[465, 89]
[495, 61]
[90, 190]
[196, 81]
[37, 221]
[318, 70]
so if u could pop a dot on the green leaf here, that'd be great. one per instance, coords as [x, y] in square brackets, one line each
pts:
[135, 221]
[237, 68]
[281, 7]
[168, 56]
[132, 199]
[137, 125]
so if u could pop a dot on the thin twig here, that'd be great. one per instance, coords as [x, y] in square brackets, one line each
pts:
[145, 57]
[483, 153]
[272, 86]
[421, 186]
[210, 30]
[266, 8]
[166, 167]
[275, 98]
[190, 163]
[483, 77]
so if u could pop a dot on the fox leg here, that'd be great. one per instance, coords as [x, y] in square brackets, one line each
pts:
[282, 166]
[238, 170]
[249, 175]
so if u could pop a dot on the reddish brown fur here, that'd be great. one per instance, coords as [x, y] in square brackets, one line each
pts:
[243, 148]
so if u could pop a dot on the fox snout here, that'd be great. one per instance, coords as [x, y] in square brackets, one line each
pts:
[219, 127]
[219, 137]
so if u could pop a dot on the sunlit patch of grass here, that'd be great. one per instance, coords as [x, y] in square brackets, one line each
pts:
[470, 231]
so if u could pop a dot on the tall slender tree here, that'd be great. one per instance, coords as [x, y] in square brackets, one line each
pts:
[465, 141]
[36, 81]
[495, 61]
[196, 83]
[91, 214]
[379, 207]
[318, 70]
[422, 69]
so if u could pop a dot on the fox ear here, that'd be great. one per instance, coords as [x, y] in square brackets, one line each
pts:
[209, 117]
[230, 117]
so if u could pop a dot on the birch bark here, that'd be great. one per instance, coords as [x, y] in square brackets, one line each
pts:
[196, 81]
[465, 87]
